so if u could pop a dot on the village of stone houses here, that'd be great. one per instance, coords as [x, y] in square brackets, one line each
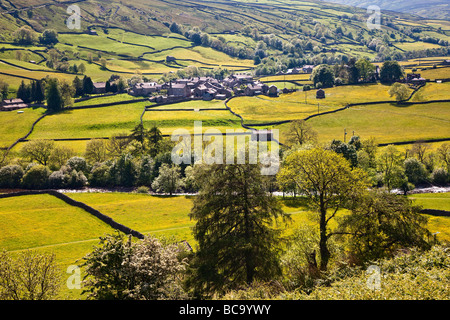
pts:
[224, 150]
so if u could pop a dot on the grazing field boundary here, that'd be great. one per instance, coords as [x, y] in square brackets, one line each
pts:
[85, 207]
[435, 212]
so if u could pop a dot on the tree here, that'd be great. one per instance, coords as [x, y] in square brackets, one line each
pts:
[391, 72]
[154, 137]
[25, 36]
[78, 86]
[300, 133]
[59, 155]
[383, 222]
[419, 150]
[24, 92]
[366, 69]
[38, 150]
[88, 85]
[124, 171]
[443, 152]
[39, 93]
[55, 99]
[389, 163]
[11, 176]
[49, 36]
[117, 145]
[400, 91]
[145, 270]
[36, 177]
[237, 240]
[415, 171]
[169, 179]
[96, 150]
[324, 75]
[328, 181]
[81, 68]
[4, 89]
[29, 276]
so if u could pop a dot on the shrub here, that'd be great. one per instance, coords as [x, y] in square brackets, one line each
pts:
[415, 170]
[78, 164]
[143, 189]
[11, 176]
[440, 176]
[99, 176]
[36, 177]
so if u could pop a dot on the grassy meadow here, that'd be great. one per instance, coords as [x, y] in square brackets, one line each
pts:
[384, 122]
[48, 225]
[299, 105]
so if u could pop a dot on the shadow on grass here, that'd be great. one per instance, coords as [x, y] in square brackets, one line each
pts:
[294, 202]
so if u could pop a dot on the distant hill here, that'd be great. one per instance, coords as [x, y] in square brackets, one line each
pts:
[433, 9]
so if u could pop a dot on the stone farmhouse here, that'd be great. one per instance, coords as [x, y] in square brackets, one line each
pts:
[12, 104]
[204, 88]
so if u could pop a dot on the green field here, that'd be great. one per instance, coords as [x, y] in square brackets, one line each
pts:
[299, 105]
[384, 122]
[48, 225]
[168, 120]
[437, 201]
[90, 123]
[15, 125]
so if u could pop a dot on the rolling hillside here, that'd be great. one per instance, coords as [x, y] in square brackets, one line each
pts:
[436, 9]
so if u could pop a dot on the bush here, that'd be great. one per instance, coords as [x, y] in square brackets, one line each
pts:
[440, 176]
[78, 164]
[36, 177]
[11, 176]
[415, 171]
[99, 176]
[143, 189]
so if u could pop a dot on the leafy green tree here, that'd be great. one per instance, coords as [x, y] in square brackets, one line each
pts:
[154, 137]
[49, 36]
[323, 74]
[59, 156]
[55, 99]
[415, 171]
[148, 269]
[25, 36]
[237, 240]
[36, 177]
[96, 151]
[348, 150]
[29, 276]
[400, 91]
[366, 69]
[382, 223]
[78, 86]
[145, 175]
[300, 132]
[11, 176]
[38, 150]
[169, 179]
[4, 89]
[124, 171]
[24, 92]
[328, 181]
[88, 85]
[389, 163]
[39, 93]
[391, 72]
